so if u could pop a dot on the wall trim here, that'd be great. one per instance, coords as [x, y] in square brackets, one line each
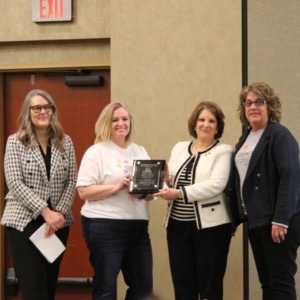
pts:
[7, 42]
[24, 67]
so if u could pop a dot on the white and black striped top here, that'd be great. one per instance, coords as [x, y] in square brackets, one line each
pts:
[181, 211]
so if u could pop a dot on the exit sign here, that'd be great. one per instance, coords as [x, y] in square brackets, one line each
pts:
[51, 10]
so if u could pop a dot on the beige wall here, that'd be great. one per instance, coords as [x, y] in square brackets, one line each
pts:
[51, 52]
[84, 42]
[274, 47]
[167, 56]
[91, 19]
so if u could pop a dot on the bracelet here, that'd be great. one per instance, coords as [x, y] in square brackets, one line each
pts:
[143, 196]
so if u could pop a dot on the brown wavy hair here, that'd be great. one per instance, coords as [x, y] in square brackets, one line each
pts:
[26, 134]
[265, 92]
[215, 110]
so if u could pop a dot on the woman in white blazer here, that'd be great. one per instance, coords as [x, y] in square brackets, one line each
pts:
[198, 222]
[40, 170]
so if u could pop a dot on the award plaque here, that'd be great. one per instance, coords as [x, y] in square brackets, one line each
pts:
[147, 176]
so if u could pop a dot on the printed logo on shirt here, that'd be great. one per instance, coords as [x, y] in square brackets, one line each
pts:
[127, 169]
[243, 157]
[124, 165]
[236, 158]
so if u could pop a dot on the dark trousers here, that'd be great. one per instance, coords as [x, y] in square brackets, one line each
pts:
[198, 259]
[37, 277]
[116, 245]
[276, 263]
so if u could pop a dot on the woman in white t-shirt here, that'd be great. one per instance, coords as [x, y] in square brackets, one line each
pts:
[115, 223]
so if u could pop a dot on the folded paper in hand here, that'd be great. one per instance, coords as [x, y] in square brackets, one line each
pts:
[50, 247]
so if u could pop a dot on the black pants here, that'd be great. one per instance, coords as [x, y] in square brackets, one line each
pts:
[37, 277]
[198, 259]
[276, 263]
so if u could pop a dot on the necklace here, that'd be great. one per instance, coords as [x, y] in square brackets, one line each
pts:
[196, 152]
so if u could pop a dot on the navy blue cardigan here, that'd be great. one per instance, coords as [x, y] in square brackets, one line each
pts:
[271, 190]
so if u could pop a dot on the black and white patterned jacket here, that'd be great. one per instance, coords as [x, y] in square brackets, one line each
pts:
[29, 188]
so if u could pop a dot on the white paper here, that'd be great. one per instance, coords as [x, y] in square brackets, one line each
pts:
[50, 247]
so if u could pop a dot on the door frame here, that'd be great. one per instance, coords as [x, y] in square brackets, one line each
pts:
[28, 67]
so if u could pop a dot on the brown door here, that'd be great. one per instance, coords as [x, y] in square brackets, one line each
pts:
[78, 108]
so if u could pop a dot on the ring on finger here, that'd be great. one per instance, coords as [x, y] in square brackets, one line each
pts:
[281, 233]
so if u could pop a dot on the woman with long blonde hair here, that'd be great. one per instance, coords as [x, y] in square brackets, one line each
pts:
[115, 223]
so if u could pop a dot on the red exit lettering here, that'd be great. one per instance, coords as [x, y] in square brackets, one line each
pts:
[51, 11]
[41, 9]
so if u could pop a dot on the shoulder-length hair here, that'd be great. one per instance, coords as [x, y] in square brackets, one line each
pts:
[26, 134]
[103, 124]
[265, 92]
[215, 110]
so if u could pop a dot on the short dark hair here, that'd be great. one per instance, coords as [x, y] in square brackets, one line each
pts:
[215, 110]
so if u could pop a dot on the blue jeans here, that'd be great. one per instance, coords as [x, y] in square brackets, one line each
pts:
[116, 245]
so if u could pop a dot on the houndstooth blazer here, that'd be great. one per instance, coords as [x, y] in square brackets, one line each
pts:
[29, 188]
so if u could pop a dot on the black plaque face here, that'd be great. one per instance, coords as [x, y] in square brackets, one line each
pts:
[147, 176]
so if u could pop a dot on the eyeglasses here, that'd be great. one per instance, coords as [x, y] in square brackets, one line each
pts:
[37, 108]
[257, 103]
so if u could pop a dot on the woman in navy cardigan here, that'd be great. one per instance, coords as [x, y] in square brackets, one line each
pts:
[264, 189]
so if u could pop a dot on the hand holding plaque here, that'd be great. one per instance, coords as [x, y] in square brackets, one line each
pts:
[147, 176]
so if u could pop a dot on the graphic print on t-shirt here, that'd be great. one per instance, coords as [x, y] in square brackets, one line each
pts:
[124, 165]
[243, 156]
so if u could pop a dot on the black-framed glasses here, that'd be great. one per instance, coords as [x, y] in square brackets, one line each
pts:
[257, 103]
[38, 108]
